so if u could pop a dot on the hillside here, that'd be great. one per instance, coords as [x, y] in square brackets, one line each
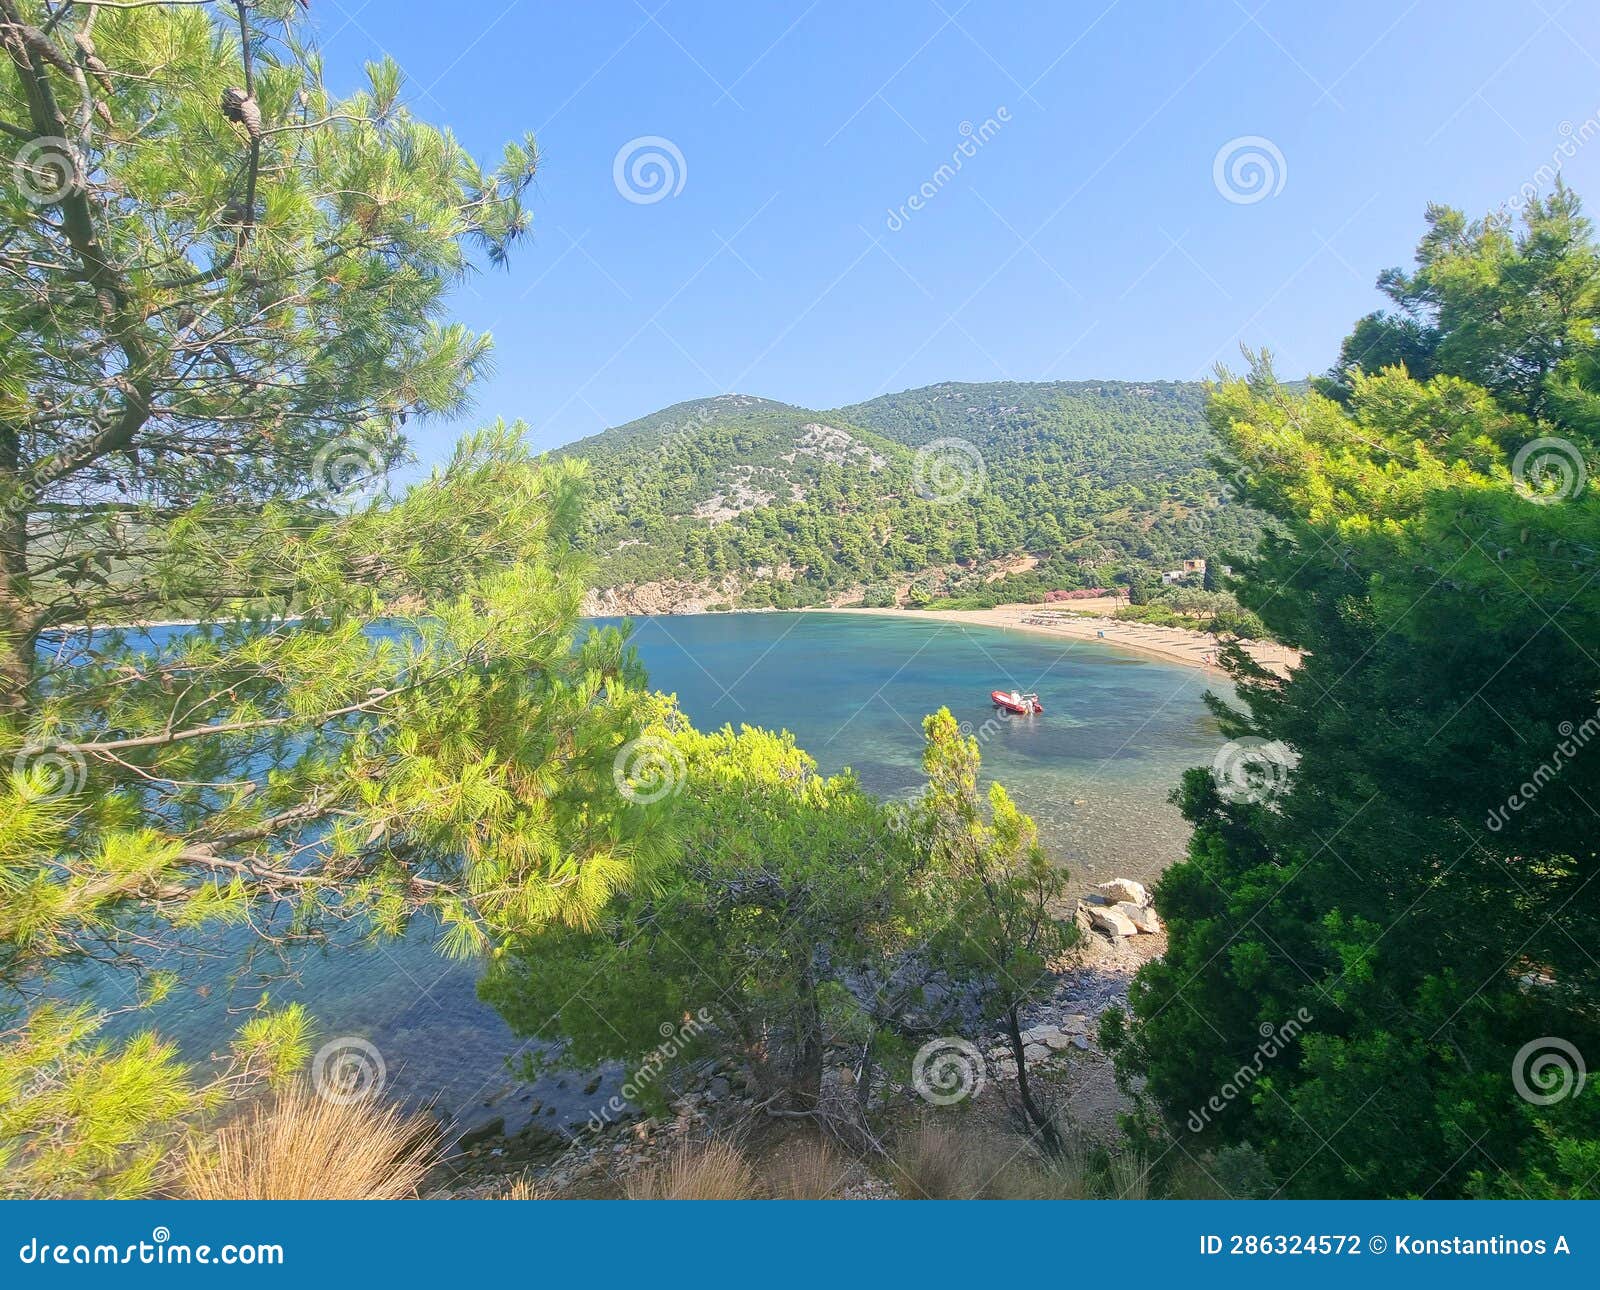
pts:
[939, 491]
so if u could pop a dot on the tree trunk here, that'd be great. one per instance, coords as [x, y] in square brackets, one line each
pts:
[18, 622]
[807, 1088]
[1040, 1121]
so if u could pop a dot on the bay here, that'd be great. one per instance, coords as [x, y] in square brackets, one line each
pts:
[1094, 770]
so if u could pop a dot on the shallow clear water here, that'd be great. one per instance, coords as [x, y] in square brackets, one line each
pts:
[1094, 770]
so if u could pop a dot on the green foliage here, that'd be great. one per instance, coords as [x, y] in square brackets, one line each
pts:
[225, 303]
[1005, 892]
[802, 505]
[787, 885]
[1000, 878]
[1161, 615]
[1423, 885]
[81, 1117]
[1195, 609]
[807, 918]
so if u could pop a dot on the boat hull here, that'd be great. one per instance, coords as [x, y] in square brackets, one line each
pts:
[1024, 707]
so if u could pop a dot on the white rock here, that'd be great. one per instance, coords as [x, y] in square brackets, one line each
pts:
[1140, 916]
[1111, 919]
[1058, 1039]
[1120, 889]
[1035, 1053]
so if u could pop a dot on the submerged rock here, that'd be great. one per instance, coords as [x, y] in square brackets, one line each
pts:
[479, 1133]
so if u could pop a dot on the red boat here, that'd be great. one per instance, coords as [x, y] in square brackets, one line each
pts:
[1024, 705]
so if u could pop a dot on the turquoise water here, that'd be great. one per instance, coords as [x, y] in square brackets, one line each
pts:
[1094, 771]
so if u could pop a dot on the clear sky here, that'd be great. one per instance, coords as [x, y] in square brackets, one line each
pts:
[1089, 233]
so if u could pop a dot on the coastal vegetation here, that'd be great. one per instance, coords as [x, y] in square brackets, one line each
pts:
[802, 926]
[225, 286]
[1414, 873]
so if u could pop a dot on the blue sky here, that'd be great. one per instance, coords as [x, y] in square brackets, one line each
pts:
[1088, 233]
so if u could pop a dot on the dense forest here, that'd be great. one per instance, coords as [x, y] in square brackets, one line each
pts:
[922, 493]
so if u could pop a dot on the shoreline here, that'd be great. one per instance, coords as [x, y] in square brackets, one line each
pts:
[1171, 644]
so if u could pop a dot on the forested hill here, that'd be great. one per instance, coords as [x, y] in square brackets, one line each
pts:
[938, 491]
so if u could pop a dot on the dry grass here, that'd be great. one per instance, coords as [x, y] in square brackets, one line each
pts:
[1191, 1181]
[298, 1146]
[710, 1171]
[936, 1161]
[810, 1169]
[1064, 1177]
[524, 1188]
[1130, 1177]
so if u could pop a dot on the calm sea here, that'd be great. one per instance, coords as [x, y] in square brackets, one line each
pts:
[1094, 770]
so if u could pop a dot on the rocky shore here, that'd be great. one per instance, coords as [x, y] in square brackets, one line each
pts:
[717, 1098]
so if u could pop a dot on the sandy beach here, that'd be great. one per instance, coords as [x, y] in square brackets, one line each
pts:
[1091, 623]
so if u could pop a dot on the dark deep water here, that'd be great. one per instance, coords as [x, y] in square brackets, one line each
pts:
[1094, 771]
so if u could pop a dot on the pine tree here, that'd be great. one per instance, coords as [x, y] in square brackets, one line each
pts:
[224, 288]
[1418, 886]
[1004, 893]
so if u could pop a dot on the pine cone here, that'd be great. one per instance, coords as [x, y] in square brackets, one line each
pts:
[92, 61]
[46, 48]
[100, 71]
[239, 106]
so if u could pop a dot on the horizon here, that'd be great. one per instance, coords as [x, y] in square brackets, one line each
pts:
[769, 231]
